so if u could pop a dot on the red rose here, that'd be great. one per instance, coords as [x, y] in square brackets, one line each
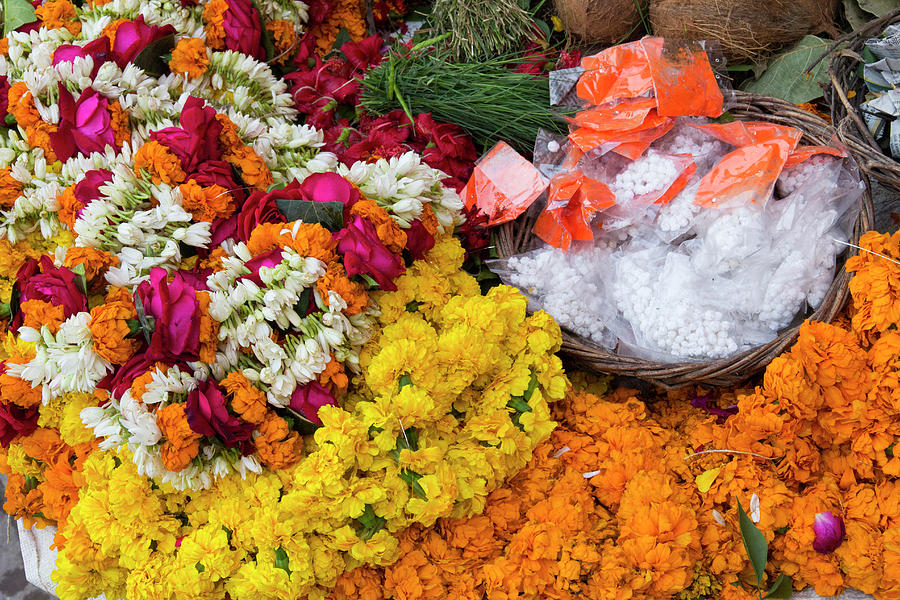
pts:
[16, 421]
[243, 31]
[418, 240]
[364, 253]
[88, 189]
[219, 172]
[98, 50]
[85, 126]
[119, 381]
[197, 140]
[260, 208]
[55, 285]
[207, 415]
[364, 54]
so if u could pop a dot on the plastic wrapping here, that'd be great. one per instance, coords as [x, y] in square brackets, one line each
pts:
[677, 238]
[503, 185]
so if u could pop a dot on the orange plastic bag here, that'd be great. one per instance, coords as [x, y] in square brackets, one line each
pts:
[680, 182]
[804, 152]
[745, 175]
[587, 138]
[616, 73]
[503, 185]
[746, 133]
[683, 79]
[623, 115]
[633, 144]
[572, 202]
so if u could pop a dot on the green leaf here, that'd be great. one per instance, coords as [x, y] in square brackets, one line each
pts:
[782, 588]
[412, 478]
[518, 404]
[372, 283]
[268, 42]
[281, 560]
[545, 29]
[151, 58]
[10, 120]
[81, 278]
[785, 77]
[342, 38]
[200, 568]
[754, 543]
[532, 386]
[404, 381]
[725, 117]
[17, 13]
[855, 15]
[782, 530]
[31, 483]
[413, 306]
[148, 323]
[274, 186]
[134, 328]
[879, 8]
[5, 311]
[329, 215]
[739, 68]
[370, 523]
[302, 305]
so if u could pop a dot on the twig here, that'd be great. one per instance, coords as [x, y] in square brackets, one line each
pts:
[695, 454]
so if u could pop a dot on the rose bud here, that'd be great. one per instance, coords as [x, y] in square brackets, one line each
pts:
[829, 530]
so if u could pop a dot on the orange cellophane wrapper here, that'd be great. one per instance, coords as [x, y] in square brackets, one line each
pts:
[804, 152]
[634, 144]
[587, 139]
[683, 79]
[745, 175]
[616, 116]
[747, 133]
[680, 182]
[503, 185]
[572, 202]
[619, 72]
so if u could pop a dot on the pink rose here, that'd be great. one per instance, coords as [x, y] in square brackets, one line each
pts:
[4, 98]
[84, 126]
[197, 140]
[829, 530]
[330, 187]
[174, 307]
[243, 30]
[364, 253]
[97, 49]
[55, 285]
[134, 36]
[308, 399]
[207, 415]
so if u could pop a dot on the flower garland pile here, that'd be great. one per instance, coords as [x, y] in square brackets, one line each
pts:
[452, 399]
[634, 500]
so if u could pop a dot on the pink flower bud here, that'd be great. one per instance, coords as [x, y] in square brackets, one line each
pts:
[829, 530]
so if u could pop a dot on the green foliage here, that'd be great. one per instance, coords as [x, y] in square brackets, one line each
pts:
[479, 30]
[15, 14]
[369, 523]
[329, 215]
[758, 552]
[785, 76]
[154, 57]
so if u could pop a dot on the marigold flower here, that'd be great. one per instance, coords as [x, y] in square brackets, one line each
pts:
[284, 35]
[352, 292]
[214, 19]
[253, 169]
[311, 239]
[278, 446]
[160, 162]
[58, 14]
[182, 442]
[38, 136]
[18, 391]
[209, 203]
[95, 261]
[190, 58]
[387, 229]
[10, 188]
[229, 139]
[119, 122]
[37, 313]
[247, 401]
[110, 331]
[346, 14]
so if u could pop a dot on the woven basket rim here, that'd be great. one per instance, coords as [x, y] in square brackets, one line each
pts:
[847, 92]
[512, 238]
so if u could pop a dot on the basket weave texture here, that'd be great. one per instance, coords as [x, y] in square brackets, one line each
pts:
[848, 91]
[516, 236]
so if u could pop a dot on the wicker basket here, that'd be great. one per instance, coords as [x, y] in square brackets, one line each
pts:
[515, 237]
[848, 92]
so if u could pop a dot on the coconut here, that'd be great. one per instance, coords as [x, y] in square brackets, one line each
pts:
[600, 21]
[748, 30]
